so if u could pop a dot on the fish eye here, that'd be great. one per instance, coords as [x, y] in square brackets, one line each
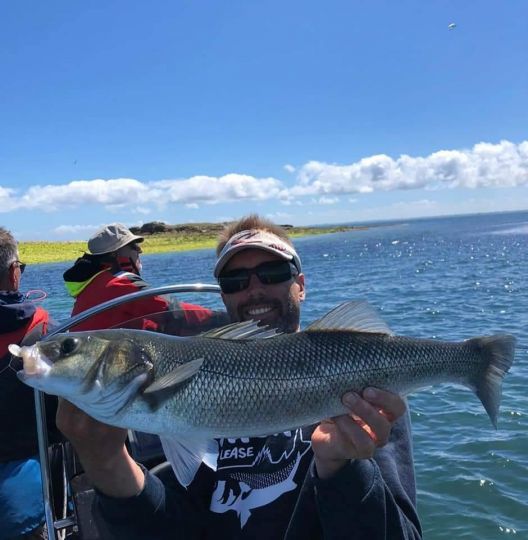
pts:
[68, 346]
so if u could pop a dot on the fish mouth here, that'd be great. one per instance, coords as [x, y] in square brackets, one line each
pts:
[35, 364]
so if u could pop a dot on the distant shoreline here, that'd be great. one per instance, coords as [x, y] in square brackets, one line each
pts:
[185, 237]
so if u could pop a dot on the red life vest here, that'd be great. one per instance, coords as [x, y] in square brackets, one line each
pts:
[40, 317]
[18, 432]
[149, 313]
[106, 286]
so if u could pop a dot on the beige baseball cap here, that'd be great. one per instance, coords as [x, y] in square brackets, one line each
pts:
[256, 239]
[110, 238]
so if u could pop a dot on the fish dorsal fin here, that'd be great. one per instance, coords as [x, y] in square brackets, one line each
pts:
[356, 315]
[176, 376]
[241, 331]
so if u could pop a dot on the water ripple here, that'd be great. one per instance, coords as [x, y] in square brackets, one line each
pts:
[448, 279]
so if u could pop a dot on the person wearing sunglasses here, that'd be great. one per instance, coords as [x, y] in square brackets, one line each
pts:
[21, 322]
[348, 477]
[112, 268]
[260, 277]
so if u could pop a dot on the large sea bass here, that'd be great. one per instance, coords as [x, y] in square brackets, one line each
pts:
[243, 380]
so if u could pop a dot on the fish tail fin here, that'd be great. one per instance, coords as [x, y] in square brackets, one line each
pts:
[497, 352]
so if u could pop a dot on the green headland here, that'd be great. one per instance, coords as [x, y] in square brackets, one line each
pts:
[159, 238]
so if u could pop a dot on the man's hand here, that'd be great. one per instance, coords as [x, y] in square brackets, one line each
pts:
[355, 435]
[101, 449]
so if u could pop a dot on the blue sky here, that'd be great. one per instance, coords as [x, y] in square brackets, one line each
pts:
[308, 112]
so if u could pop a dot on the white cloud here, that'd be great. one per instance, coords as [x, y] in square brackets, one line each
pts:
[328, 200]
[421, 204]
[74, 229]
[6, 199]
[231, 187]
[143, 210]
[6, 192]
[279, 217]
[485, 165]
[112, 193]
[289, 168]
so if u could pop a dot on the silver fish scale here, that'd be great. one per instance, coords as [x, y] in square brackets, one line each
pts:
[270, 385]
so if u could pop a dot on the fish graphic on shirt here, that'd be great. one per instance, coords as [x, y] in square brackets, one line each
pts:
[257, 477]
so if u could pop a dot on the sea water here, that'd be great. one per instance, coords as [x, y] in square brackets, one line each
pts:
[445, 278]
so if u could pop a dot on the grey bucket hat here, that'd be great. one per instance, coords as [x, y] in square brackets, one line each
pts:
[110, 238]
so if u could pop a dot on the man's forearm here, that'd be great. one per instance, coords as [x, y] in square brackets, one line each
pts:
[117, 476]
[102, 451]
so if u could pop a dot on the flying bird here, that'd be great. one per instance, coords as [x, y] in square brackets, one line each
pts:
[451, 26]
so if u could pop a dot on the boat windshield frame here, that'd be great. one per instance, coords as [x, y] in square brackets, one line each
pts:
[54, 524]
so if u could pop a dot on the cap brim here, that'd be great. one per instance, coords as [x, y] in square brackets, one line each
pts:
[226, 257]
[119, 244]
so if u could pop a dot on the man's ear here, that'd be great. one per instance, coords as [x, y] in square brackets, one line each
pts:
[14, 281]
[302, 289]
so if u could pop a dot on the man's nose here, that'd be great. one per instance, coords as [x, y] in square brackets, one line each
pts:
[254, 283]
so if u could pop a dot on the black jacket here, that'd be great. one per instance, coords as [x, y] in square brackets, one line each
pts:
[20, 322]
[370, 499]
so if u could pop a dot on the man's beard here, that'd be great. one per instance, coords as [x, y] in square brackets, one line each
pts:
[289, 323]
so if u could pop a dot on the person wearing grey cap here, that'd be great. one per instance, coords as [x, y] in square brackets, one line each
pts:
[348, 477]
[111, 268]
[118, 239]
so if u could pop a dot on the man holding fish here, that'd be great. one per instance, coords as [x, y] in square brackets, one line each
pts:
[351, 476]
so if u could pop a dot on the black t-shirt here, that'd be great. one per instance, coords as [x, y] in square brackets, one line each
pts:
[257, 477]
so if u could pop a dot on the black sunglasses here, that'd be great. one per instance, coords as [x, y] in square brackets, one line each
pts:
[269, 273]
[21, 265]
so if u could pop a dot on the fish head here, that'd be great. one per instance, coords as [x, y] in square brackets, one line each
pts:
[83, 364]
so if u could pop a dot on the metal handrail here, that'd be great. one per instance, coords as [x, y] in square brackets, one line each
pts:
[40, 408]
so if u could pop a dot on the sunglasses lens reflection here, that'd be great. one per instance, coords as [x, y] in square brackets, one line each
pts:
[268, 273]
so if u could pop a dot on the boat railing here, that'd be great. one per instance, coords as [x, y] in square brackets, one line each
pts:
[57, 526]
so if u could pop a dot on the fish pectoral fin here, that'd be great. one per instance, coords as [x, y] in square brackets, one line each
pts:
[356, 316]
[105, 406]
[186, 454]
[245, 330]
[176, 376]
